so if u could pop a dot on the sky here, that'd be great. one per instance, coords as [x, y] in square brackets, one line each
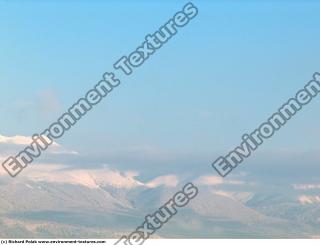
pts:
[221, 76]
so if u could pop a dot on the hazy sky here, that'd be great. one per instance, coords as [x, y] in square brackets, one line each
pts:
[221, 76]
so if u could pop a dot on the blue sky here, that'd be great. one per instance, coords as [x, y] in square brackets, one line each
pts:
[221, 76]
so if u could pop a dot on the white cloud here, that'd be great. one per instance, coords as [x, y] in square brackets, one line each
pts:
[15, 140]
[166, 180]
[309, 199]
[209, 180]
[12, 143]
[215, 180]
[306, 186]
[224, 193]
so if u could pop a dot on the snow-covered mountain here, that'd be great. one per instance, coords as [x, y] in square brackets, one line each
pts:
[105, 203]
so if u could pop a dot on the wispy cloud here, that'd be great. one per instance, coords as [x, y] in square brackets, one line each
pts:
[47, 102]
[306, 186]
[16, 140]
[215, 180]
[12, 144]
[167, 180]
